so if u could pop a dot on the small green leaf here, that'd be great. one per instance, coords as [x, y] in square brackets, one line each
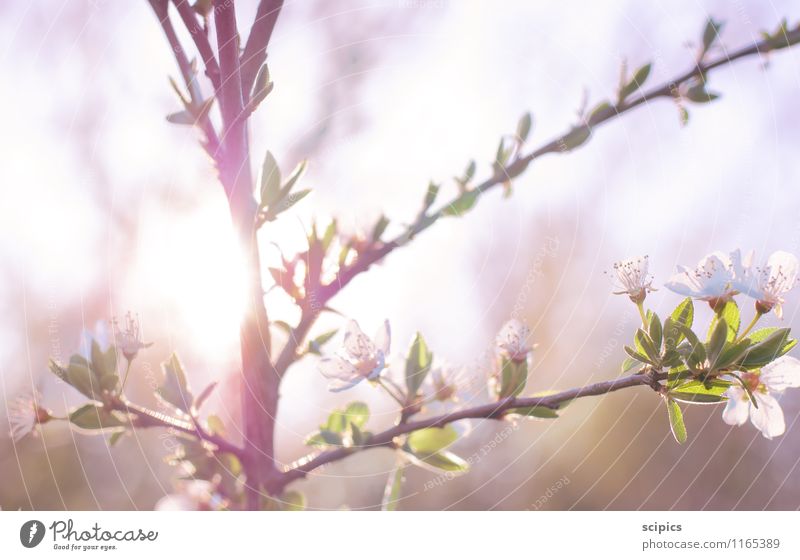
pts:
[182, 117]
[95, 417]
[462, 204]
[430, 195]
[82, 378]
[357, 413]
[711, 32]
[418, 364]
[682, 315]
[676, 421]
[636, 355]
[637, 81]
[175, 390]
[655, 329]
[630, 364]
[394, 486]
[443, 461]
[716, 342]
[315, 345]
[431, 440]
[524, 127]
[380, 227]
[261, 87]
[575, 138]
[699, 392]
[270, 181]
[337, 422]
[646, 346]
[513, 378]
[765, 351]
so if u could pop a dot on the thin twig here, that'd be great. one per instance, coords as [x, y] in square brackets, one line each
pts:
[211, 144]
[146, 418]
[493, 410]
[200, 38]
[378, 252]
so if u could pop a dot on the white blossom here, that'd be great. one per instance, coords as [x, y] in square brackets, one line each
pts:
[512, 341]
[772, 380]
[633, 278]
[771, 281]
[360, 358]
[128, 339]
[716, 279]
[25, 415]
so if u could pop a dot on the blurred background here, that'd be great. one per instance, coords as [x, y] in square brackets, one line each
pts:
[107, 208]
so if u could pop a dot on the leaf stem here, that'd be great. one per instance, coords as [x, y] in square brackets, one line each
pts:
[391, 392]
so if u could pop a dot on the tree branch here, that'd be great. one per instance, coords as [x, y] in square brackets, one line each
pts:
[495, 410]
[377, 252]
[200, 38]
[255, 50]
[146, 418]
[211, 144]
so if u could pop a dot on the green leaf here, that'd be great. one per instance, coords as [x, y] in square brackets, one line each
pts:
[765, 351]
[82, 378]
[394, 486]
[716, 342]
[698, 94]
[575, 138]
[315, 345]
[379, 228]
[646, 346]
[630, 364]
[286, 203]
[204, 394]
[443, 461]
[654, 329]
[261, 87]
[357, 413]
[636, 355]
[513, 377]
[699, 392]
[676, 421]
[732, 353]
[270, 181]
[215, 424]
[524, 126]
[95, 417]
[462, 204]
[337, 422]
[696, 351]
[711, 32]
[185, 118]
[431, 440]
[637, 81]
[418, 364]
[103, 363]
[730, 314]
[599, 112]
[431, 194]
[175, 390]
[683, 314]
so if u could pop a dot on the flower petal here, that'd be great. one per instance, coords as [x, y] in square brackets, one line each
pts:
[356, 343]
[737, 408]
[768, 417]
[338, 385]
[336, 367]
[781, 374]
[383, 338]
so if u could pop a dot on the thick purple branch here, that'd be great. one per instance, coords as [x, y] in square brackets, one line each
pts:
[255, 50]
